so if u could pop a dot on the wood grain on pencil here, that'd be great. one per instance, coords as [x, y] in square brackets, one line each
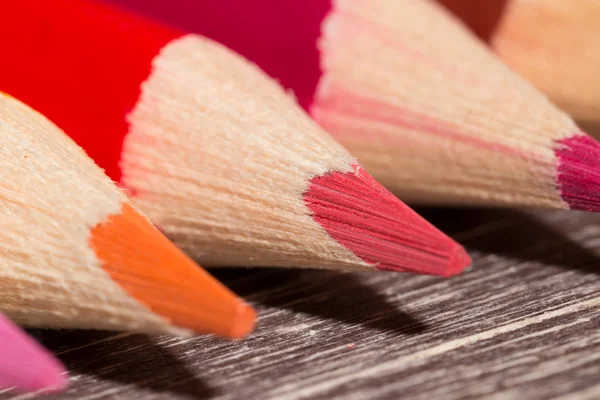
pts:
[212, 149]
[75, 253]
[426, 108]
[432, 114]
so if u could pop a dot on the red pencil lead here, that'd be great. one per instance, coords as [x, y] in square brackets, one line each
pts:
[214, 151]
[359, 213]
[423, 105]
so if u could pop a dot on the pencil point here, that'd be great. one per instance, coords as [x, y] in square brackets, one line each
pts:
[165, 280]
[579, 172]
[25, 365]
[459, 261]
[245, 317]
[378, 228]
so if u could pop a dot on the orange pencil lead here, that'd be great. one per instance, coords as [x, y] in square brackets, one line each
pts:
[179, 291]
[74, 253]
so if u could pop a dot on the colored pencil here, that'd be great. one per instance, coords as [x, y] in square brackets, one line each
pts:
[555, 44]
[214, 151]
[426, 108]
[75, 253]
[25, 366]
[482, 16]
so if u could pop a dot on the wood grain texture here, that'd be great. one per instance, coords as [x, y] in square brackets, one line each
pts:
[523, 323]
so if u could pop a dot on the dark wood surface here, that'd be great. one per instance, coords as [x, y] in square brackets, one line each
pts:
[522, 323]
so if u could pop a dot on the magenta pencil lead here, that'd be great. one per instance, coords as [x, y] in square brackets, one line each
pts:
[426, 107]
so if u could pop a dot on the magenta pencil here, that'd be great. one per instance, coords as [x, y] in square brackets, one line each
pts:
[423, 104]
[217, 154]
[25, 366]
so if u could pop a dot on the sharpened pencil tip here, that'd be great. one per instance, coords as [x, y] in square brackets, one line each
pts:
[25, 365]
[578, 178]
[160, 276]
[53, 381]
[459, 261]
[378, 228]
[245, 317]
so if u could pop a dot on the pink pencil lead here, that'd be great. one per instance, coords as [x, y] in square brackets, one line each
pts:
[25, 365]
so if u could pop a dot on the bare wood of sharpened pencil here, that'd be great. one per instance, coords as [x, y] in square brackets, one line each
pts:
[432, 113]
[427, 108]
[554, 44]
[76, 254]
[217, 154]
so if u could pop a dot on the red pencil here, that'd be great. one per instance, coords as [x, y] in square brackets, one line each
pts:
[423, 105]
[215, 152]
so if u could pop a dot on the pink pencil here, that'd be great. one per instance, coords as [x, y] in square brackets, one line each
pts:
[25, 366]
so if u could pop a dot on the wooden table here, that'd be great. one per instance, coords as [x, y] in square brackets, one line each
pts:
[522, 323]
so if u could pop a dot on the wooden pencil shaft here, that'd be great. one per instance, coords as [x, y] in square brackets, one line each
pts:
[424, 106]
[212, 149]
[75, 253]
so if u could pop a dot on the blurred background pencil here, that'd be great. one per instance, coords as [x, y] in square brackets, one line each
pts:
[556, 45]
[25, 366]
[423, 105]
[221, 159]
[74, 253]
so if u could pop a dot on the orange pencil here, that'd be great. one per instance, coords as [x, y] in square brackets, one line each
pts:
[74, 252]
[215, 152]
